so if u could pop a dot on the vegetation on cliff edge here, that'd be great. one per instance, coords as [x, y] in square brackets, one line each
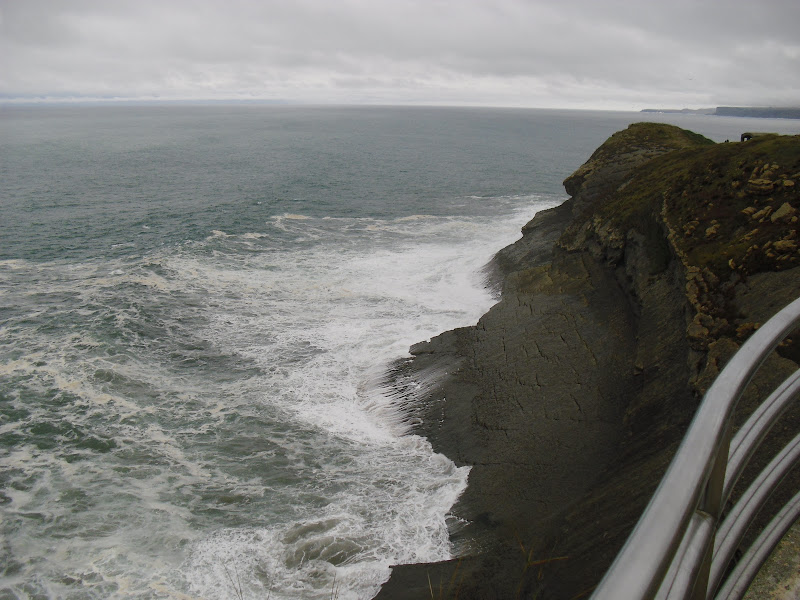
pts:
[727, 211]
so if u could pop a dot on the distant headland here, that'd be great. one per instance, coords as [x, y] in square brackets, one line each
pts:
[764, 112]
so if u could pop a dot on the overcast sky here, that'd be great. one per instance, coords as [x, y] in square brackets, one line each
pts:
[610, 54]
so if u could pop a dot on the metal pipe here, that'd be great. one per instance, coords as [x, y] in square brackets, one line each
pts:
[644, 560]
[748, 566]
[756, 428]
[679, 561]
[737, 521]
[687, 562]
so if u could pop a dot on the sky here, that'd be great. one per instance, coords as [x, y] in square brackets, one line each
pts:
[609, 54]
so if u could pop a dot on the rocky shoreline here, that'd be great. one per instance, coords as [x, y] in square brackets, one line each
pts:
[617, 309]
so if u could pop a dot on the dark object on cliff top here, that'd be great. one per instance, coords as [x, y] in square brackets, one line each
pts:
[749, 135]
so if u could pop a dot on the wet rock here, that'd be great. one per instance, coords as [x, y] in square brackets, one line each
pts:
[421, 348]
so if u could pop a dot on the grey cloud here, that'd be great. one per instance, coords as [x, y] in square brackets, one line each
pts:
[466, 51]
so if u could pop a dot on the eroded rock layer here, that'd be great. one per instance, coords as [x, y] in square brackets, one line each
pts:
[617, 310]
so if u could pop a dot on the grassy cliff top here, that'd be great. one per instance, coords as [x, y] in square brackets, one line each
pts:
[732, 206]
[628, 148]
[730, 214]
[646, 137]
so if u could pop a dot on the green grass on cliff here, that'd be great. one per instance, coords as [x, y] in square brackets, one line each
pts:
[638, 143]
[648, 135]
[711, 194]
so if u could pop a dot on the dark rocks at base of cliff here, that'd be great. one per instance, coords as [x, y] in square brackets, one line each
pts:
[569, 397]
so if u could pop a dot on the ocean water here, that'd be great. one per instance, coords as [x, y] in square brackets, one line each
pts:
[197, 308]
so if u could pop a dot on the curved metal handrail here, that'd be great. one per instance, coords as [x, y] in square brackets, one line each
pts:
[748, 566]
[733, 528]
[686, 564]
[756, 428]
[694, 483]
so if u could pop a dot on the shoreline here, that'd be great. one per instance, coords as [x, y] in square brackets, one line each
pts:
[498, 537]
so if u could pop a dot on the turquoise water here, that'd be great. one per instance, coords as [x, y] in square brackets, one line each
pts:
[196, 307]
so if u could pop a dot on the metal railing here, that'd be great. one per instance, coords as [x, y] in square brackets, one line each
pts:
[680, 548]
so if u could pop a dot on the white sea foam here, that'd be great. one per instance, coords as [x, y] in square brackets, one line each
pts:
[212, 408]
[360, 309]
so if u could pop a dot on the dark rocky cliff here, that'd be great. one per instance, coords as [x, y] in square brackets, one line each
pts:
[618, 308]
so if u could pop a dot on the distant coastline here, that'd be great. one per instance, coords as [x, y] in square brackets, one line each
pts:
[764, 112]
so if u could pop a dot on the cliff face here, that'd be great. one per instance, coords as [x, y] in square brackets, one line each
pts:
[618, 308]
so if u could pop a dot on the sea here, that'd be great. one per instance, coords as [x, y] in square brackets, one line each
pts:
[198, 307]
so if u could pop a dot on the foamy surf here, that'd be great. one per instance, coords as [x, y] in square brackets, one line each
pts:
[240, 441]
[193, 398]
